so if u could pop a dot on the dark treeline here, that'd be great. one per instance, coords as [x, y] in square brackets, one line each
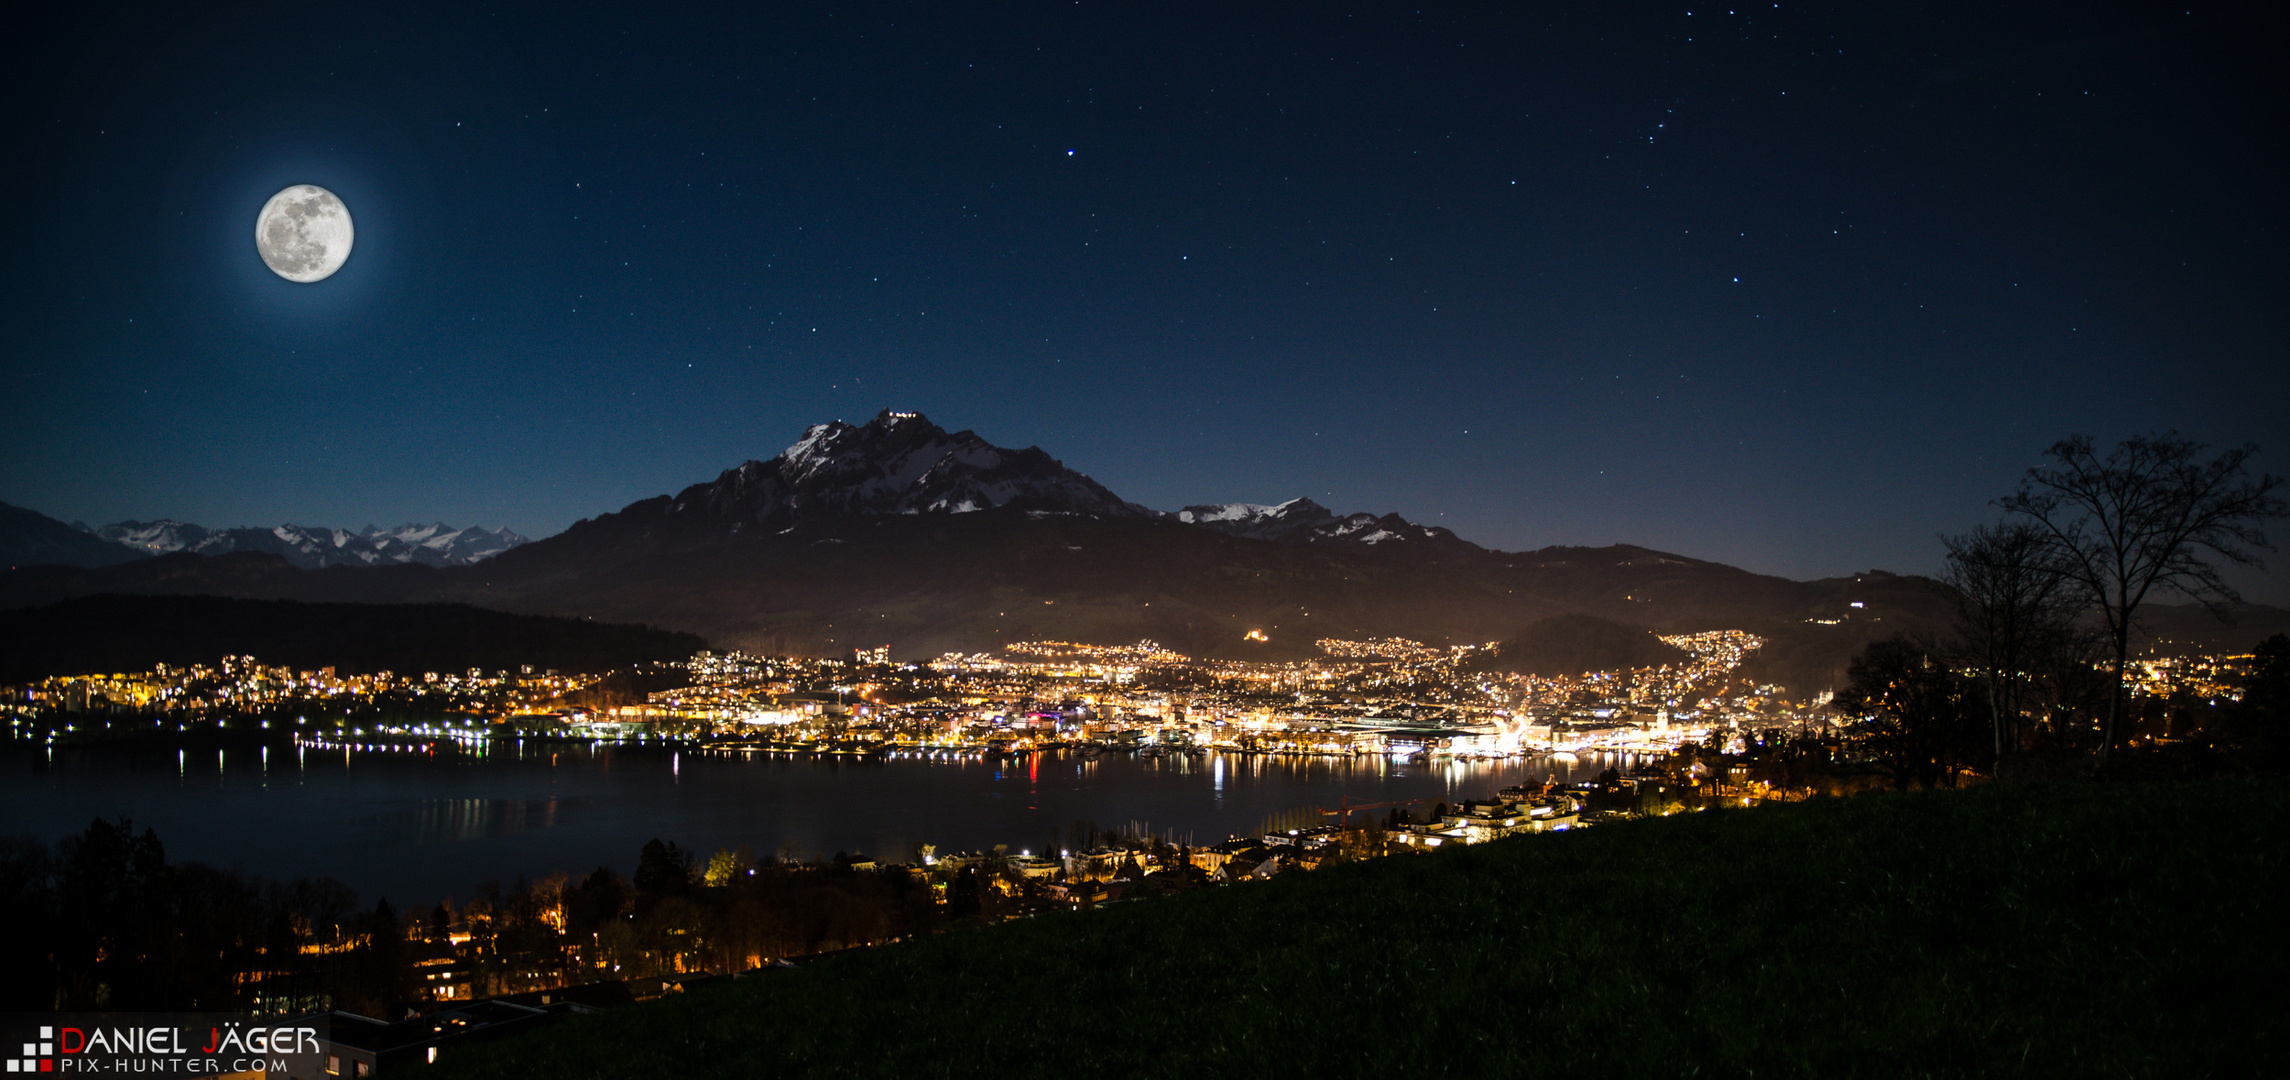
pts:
[105, 922]
[1924, 717]
[2035, 677]
[733, 911]
[106, 634]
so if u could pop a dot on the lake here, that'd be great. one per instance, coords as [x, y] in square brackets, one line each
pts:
[416, 827]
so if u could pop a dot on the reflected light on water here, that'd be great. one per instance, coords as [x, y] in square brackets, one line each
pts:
[395, 822]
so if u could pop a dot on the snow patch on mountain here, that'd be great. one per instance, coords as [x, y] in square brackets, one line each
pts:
[434, 544]
[1197, 515]
[1302, 521]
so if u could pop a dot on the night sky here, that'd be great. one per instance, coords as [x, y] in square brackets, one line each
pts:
[1791, 287]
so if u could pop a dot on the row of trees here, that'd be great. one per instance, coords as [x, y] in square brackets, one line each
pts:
[104, 921]
[1923, 721]
[2050, 599]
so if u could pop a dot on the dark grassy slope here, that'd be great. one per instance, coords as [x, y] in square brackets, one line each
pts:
[2075, 931]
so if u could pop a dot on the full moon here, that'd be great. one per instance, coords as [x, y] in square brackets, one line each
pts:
[303, 233]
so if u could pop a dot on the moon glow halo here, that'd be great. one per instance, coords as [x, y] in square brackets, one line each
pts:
[303, 233]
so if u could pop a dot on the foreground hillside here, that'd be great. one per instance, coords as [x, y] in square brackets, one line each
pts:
[2075, 931]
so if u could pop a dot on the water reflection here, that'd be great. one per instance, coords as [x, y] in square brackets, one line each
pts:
[427, 821]
[448, 820]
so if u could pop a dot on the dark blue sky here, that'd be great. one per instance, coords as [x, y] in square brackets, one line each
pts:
[1796, 287]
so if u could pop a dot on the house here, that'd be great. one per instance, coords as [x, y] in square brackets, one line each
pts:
[1037, 868]
[441, 974]
[358, 1046]
[1477, 821]
[361, 1046]
[1084, 892]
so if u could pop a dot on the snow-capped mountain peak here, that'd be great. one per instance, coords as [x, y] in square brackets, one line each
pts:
[897, 463]
[901, 464]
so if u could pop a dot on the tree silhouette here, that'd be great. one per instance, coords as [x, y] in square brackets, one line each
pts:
[113, 893]
[964, 898]
[1909, 708]
[382, 978]
[2259, 724]
[2016, 615]
[2142, 519]
[663, 869]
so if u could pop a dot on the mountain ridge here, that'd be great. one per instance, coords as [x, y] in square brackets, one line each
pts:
[30, 538]
[1302, 521]
[898, 532]
[105, 634]
[899, 463]
[434, 544]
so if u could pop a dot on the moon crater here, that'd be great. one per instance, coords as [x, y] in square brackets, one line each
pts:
[303, 233]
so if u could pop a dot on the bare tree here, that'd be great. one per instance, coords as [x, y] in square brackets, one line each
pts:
[2015, 609]
[2148, 516]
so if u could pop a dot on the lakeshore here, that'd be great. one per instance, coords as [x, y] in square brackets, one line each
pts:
[417, 821]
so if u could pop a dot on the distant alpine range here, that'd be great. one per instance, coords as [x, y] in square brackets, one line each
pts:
[309, 548]
[898, 464]
[897, 532]
[28, 538]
